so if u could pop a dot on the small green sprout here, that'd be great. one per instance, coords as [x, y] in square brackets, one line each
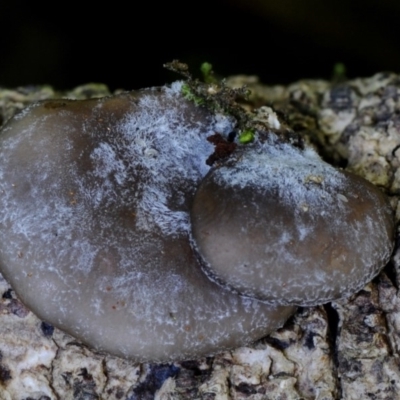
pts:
[246, 136]
[339, 72]
[208, 73]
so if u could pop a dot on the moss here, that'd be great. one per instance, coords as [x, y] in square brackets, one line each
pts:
[191, 96]
[213, 94]
[217, 97]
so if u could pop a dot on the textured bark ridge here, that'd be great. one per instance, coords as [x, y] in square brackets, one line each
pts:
[344, 350]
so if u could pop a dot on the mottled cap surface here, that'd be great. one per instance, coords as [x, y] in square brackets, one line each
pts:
[94, 224]
[278, 224]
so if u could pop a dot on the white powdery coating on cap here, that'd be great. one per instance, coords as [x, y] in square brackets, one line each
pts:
[94, 215]
[302, 231]
[298, 175]
[160, 143]
[170, 149]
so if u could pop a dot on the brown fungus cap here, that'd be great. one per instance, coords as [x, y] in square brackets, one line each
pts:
[94, 226]
[279, 224]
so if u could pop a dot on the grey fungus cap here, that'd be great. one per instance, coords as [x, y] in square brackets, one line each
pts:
[277, 223]
[94, 226]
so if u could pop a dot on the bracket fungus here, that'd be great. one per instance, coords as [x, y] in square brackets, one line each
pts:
[276, 223]
[103, 231]
[94, 226]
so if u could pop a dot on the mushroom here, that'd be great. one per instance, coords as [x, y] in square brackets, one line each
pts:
[94, 226]
[276, 223]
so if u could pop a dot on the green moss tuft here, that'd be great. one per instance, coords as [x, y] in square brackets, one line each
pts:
[189, 94]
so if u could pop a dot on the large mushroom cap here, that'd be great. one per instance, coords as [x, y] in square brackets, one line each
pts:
[278, 224]
[94, 222]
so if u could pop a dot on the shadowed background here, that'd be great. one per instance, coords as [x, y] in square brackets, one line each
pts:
[281, 41]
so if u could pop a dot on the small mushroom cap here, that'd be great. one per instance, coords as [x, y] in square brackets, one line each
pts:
[94, 226]
[278, 224]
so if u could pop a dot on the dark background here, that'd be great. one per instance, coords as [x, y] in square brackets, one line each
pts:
[68, 44]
